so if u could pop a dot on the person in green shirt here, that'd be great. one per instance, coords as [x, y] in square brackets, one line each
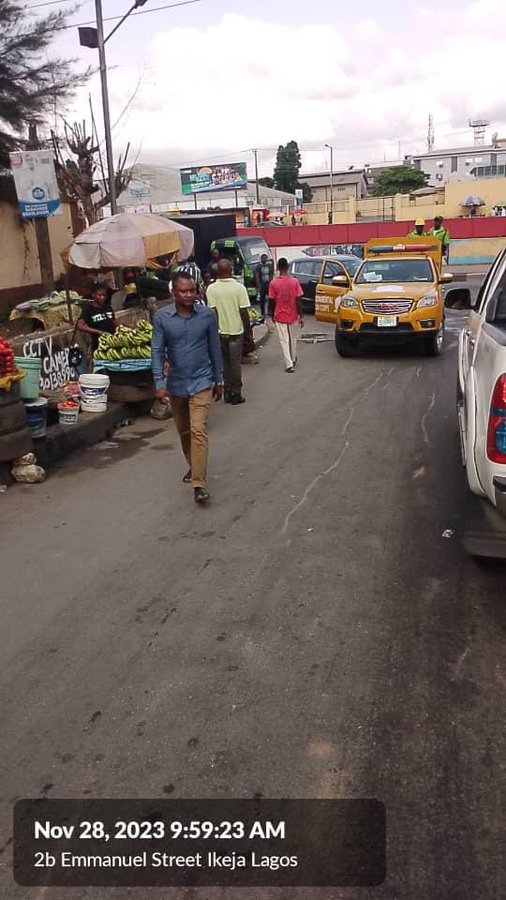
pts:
[442, 233]
[230, 301]
[419, 229]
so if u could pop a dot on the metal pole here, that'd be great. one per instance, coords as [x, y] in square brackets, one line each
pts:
[257, 186]
[331, 214]
[105, 107]
[331, 186]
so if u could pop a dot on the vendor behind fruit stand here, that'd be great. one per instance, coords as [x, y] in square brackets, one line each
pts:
[97, 316]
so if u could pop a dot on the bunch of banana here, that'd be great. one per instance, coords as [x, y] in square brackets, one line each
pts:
[126, 342]
[123, 353]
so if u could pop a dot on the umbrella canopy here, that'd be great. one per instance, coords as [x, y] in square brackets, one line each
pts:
[473, 201]
[130, 239]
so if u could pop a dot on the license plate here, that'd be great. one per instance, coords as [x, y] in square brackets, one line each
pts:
[387, 321]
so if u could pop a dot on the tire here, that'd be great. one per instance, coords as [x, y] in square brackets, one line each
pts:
[434, 342]
[346, 347]
[12, 417]
[9, 397]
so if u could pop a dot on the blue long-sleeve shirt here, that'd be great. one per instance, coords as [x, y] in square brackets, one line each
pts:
[192, 346]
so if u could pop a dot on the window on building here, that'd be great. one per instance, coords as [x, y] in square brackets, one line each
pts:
[455, 163]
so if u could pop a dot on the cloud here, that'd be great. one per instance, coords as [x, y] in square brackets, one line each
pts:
[241, 82]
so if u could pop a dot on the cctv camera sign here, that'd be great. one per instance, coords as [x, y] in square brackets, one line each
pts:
[36, 185]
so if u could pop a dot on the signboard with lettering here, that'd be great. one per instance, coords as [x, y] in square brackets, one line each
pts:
[228, 176]
[36, 186]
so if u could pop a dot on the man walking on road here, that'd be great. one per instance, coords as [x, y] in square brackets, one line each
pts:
[230, 301]
[264, 273]
[186, 334]
[285, 307]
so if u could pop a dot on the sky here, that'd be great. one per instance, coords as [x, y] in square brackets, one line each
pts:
[211, 80]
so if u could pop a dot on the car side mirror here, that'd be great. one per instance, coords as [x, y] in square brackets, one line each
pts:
[458, 298]
[340, 281]
[445, 277]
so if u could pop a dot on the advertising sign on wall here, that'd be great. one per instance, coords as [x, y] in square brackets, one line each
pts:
[36, 185]
[227, 176]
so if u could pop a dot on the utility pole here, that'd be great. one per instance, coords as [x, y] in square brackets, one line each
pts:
[42, 229]
[257, 186]
[331, 213]
[105, 107]
[94, 38]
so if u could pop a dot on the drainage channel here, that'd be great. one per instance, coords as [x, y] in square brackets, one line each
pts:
[316, 337]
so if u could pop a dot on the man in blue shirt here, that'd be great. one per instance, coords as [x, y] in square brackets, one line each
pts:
[187, 335]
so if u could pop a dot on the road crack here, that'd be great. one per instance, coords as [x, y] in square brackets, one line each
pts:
[424, 419]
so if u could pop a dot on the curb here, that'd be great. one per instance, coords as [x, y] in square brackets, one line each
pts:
[261, 335]
[91, 428]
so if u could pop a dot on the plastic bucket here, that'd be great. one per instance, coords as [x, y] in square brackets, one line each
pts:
[94, 392]
[29, 385]
[36, 417]
[67, 415]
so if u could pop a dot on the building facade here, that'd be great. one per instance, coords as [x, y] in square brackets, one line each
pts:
[352, 183]
[476, 161]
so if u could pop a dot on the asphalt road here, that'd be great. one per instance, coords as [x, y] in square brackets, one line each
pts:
[313, 633]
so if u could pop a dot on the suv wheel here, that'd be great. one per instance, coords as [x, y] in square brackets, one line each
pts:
[434, 342]
[345, 346]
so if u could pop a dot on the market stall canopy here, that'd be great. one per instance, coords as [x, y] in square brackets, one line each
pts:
[473, 201]
[130, 239]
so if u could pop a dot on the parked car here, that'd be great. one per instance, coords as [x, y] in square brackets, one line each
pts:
[311, 271]
[481, 407]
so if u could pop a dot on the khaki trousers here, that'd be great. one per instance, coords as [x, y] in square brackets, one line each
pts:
[190, 416]
[288, 339]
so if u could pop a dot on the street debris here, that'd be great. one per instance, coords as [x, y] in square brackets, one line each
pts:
[316, 337]
[28, 474]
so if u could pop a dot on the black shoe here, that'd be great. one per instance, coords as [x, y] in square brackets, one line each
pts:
[227, 397]
[290, 369]
[188, 477]
[236, 399]
[201, 495]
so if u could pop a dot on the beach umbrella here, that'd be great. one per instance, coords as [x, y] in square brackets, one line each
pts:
[130, 239]
[473, 201]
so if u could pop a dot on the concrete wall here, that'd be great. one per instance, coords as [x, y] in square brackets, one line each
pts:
[446, 203]
[474, 240]
[20, 277]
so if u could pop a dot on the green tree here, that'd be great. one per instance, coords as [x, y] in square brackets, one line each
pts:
[399, 180]
[287, 168]
[266, 182]
[31, 84]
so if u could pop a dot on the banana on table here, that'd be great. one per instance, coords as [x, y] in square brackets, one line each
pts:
[126, 342]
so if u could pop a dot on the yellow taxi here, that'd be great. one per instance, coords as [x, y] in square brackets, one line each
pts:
[395, 295]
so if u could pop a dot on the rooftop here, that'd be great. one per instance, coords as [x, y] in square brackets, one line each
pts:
[456, 151]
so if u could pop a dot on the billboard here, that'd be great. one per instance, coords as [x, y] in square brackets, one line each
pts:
[36, 186]
[226, 176]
